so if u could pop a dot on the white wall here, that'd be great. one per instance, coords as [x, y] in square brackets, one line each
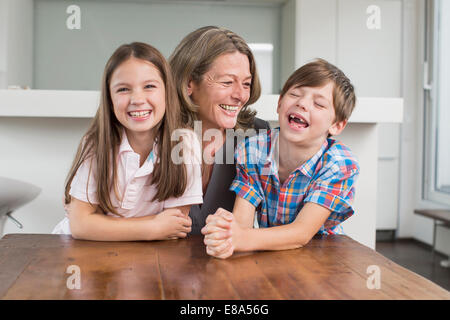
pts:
[20, 42]
[74, 59]
[39, 151]
[16, 43]
[3, 39]
[288, 27]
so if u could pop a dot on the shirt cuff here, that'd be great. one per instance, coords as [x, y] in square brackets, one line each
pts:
[340, 209]
[246, 192]
[82, 196]
[183, 201]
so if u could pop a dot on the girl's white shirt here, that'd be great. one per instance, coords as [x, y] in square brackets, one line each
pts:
[134, 182]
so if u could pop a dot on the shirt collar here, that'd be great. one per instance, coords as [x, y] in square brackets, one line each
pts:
[270, 163]
[124, 144]
[272, 159]
[126, 147]
[309, 167]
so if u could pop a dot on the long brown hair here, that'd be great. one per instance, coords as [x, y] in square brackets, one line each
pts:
[193, 57]
[101, 142]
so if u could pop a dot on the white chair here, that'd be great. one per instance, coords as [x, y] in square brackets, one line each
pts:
[13, 195]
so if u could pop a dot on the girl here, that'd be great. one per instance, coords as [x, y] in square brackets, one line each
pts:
[123, 167]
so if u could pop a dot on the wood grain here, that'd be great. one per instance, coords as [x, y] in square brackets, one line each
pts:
[329, 267]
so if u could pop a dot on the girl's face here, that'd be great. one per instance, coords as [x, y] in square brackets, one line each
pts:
[138, 96]
[223, 91]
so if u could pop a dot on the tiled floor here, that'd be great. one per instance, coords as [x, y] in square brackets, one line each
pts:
[417, 257]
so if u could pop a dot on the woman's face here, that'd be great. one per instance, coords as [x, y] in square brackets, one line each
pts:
[223, 90]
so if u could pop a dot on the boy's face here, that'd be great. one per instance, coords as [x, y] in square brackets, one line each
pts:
[306, 115]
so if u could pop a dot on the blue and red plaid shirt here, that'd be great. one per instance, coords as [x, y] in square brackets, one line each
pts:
[327, 179]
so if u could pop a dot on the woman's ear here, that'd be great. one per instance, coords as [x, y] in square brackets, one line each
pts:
[190, 87]
[337, 127]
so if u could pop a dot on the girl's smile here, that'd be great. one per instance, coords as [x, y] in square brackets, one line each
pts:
[140, 115]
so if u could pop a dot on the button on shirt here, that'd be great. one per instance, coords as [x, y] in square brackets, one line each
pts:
[327, 179]
[134, 182]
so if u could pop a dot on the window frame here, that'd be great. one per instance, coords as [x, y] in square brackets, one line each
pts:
[431, 108]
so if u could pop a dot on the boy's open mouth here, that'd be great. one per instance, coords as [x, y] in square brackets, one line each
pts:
[297, 120]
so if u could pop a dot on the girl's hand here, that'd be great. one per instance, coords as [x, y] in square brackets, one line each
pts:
[172, 224]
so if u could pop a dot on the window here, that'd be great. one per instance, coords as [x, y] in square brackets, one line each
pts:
[437, 102]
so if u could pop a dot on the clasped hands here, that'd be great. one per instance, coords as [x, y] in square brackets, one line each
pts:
[222, 234]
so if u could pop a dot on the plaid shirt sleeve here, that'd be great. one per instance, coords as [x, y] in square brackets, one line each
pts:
[246, 182]
[334, 189]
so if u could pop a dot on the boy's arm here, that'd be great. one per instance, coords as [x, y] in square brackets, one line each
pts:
[245, 238]
[290, 236]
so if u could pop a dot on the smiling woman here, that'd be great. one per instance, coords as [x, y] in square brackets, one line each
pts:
[216, 79]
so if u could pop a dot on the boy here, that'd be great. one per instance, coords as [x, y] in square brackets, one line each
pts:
[299, 181]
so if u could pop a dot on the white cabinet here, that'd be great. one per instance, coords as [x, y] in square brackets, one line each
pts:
[370, 57]
[364, 39]
[370, 53]
[388, 176]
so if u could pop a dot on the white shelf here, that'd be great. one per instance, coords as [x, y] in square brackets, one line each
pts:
[48, 103]
[367, 110]
[84, 104]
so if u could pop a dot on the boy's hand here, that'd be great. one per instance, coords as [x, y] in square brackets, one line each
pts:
[223, 250]
[219, 234]
[173, 224]
[218, 225]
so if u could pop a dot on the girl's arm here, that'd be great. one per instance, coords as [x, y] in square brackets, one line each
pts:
[245, 238]
[88, 223]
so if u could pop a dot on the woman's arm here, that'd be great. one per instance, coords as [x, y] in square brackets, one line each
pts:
[88, 223]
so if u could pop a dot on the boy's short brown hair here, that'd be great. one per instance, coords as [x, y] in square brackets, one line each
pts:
[317, 74]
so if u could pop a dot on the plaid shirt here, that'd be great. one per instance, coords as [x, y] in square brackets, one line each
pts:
[326, 179]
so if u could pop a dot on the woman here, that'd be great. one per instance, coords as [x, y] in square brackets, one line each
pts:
[216, 79]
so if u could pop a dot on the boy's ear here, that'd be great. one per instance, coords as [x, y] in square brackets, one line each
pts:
[337, 127]
[279, 103]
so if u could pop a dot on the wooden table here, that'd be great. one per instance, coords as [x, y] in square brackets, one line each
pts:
[329, 267]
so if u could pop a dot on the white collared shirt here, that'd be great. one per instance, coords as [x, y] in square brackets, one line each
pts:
[134, 182]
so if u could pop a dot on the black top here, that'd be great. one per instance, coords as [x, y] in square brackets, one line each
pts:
[217, 194]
